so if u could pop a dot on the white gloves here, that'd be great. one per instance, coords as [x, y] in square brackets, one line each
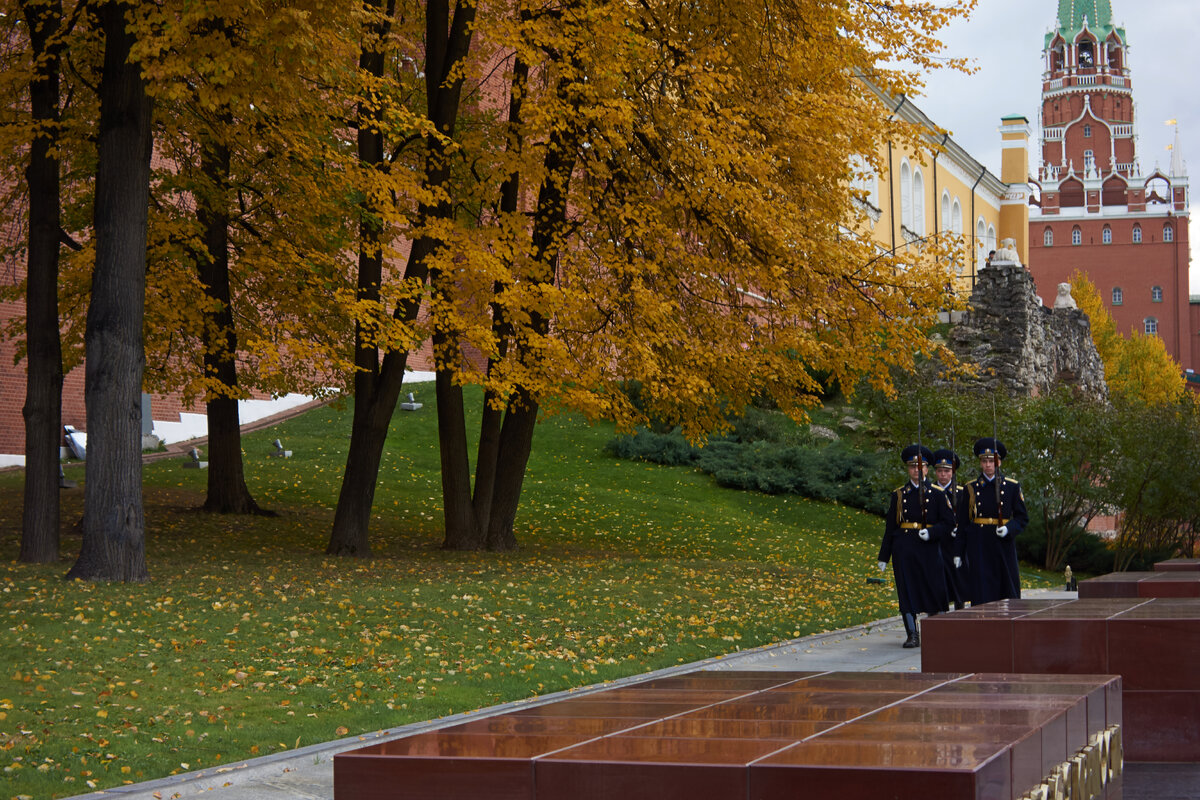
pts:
[1002, 531]
[924, 534]
[882, 566]
[957, 562]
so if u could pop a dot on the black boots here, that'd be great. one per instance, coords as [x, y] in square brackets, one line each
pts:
[910, 627]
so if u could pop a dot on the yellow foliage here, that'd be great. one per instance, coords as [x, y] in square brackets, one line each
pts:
[687, 212]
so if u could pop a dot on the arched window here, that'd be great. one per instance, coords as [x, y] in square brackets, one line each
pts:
[918, 203]
[1156, 294]
[980, 241]
[1076, 235]
[864, 180]
[1118, 296]
[956, 223]
[1086, 54]
[1168, 233]
[1048, 237]
[1137, 234]
[991, 238]
[905, 195]
[1151, 326]
[945, 210]
[1106, 235]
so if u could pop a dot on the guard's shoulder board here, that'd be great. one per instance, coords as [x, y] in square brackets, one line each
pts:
[938, 486]
[1010, 480]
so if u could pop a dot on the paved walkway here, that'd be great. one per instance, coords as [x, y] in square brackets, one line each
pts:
[307, 773]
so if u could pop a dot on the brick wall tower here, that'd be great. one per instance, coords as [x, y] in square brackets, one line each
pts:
[1100, 210]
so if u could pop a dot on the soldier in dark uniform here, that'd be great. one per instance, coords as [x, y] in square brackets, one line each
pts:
[945, 468]
[918, 519]
[988, 526]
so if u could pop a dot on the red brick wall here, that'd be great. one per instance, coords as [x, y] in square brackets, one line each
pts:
[1134, 268]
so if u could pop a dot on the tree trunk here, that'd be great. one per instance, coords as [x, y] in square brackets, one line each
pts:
[520, 418]
[492, 414]
[486, 458]
[227, 491]
[516, 443]
[44, 376]
[462, 530]
[114, 546]
[372, 417]
[368, 432]
[377, 387]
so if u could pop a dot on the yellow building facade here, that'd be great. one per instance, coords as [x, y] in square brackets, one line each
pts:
[943, 189]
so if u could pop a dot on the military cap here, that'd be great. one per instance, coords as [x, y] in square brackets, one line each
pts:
[909, 454]
[987, 446]
[945, 458]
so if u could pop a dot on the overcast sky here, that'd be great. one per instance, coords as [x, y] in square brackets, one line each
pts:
[1004, 38]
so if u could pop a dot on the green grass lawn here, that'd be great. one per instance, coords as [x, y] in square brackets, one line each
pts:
[248, 640]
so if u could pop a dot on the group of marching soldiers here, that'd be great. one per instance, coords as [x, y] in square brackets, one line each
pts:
[951, 544]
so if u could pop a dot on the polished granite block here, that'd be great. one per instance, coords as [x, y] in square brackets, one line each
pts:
[1059, 642]
[1147, 738]
[802, 736]
[870, 770]
[1153, 643]
[614, 780]
[976, 639]
[602, 708]
[1178, 565]
[513, 724]
[966, 641]
[1114, 584]
[1156, 646]
[1160, 583]
[1171, 584]
[693, 726]
[364, 776]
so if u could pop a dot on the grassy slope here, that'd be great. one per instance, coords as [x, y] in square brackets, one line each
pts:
[248, 640]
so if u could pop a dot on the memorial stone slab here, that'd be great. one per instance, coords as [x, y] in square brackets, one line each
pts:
[1153, 643]
[1160, 583]
[1178, 565]
[738, 735]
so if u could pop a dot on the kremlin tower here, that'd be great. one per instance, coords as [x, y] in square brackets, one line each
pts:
[1097, 208]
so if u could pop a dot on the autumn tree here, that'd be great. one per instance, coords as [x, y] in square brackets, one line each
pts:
[248, 220]
[682, 211]
[36, 35]
[1068, 450]
[406, 188]
[1158, 515]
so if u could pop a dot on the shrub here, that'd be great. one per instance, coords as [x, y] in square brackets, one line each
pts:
[831, 473]
[670, 449]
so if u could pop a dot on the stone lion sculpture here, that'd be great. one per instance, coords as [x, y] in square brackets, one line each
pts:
[1064, 299]
[1007, 252]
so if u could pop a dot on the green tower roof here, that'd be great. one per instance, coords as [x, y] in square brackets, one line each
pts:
[1072, 13]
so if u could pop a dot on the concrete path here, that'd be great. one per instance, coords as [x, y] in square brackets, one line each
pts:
[307, 773]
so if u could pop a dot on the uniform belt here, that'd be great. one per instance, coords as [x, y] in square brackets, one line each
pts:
[989, 521]
[911, 526]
